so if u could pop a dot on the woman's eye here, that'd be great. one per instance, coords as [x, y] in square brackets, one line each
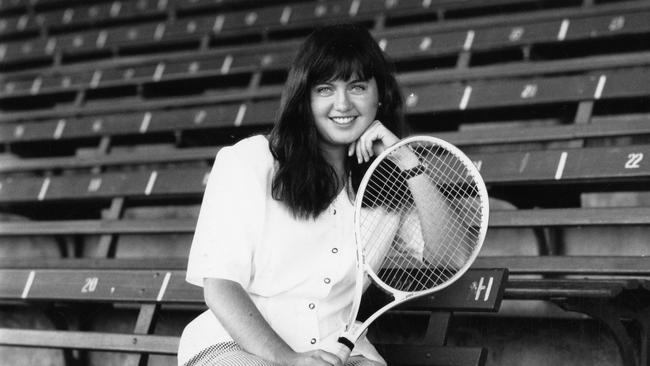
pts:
[358, 88]
[324, 90]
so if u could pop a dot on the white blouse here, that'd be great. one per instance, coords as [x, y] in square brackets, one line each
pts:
[299, 273]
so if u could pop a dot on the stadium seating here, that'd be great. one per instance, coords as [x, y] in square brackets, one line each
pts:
[112, 111]
[162, 284]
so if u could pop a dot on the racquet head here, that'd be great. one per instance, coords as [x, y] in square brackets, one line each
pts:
[421, 215]
[419, 232]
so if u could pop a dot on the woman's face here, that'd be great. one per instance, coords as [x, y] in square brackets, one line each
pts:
[343, 109]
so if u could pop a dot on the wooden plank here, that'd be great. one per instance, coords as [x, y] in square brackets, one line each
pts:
[253, 19]
[420, 355]
[186, 29]
[132, 158]
[259, 113]
[575, 265]
[154, 344]
[532, 91]
[477, 290]
[95, 227]
[104, 286]
[565, 217]
[14, 282]
[627, 83]
[553, 289]
[561, 166]
[166, 345]
[179, 181]
[522, 218]
[179, 291]
[29, 263]
[218, 116]
[614, 126]
[589, 166]
[406, 47]
[130, 35]
[516, 34]
[112, 76]
[314, 13]
[446, 96]
[31, 131]
[612, 24]
[84, 41]
[20, 189]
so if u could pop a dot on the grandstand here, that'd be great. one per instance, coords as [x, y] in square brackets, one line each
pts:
[111, 113]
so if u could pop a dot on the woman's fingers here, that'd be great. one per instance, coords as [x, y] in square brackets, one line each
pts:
[330, 358]
[375, 139]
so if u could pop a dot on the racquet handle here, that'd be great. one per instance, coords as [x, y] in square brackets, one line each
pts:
[343, 352]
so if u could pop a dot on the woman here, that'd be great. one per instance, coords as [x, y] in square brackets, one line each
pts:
[274, 245]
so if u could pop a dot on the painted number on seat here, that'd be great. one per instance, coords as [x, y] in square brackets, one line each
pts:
[529, 91]
[483, 289]
[90, 285]
[617, 23]
[634, 160]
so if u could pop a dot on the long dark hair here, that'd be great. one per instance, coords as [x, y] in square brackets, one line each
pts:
[304, 180]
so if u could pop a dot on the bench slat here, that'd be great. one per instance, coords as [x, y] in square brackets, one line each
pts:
[477, 290]
[166, 345]
[414, 355]
[524, 218]
[575, 265]
[432, 355]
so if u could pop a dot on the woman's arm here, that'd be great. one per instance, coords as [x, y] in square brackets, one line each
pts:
[433, 209]
[234, 308]
[433, 222]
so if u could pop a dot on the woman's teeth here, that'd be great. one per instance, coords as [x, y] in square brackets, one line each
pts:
[342, 120]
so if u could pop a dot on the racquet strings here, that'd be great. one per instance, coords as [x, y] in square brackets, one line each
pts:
[419, 251]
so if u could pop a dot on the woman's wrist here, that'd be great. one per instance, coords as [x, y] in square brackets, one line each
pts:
[413, 172]
[406, 158]
[284, 356]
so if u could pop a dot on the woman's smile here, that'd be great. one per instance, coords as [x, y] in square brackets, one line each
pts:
[343, 120]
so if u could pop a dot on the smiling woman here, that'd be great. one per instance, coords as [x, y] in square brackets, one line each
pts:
[339, 72]
[274, 246]
[343, 110]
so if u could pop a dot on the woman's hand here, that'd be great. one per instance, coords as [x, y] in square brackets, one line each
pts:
[375, 139]
[314, 358]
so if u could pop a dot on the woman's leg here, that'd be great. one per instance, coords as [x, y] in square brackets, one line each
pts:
[362, 361]
[226, 354]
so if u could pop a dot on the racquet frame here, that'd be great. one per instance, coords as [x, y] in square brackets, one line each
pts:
[354, 329]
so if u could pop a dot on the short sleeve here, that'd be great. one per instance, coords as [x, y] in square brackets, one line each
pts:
[226, 230]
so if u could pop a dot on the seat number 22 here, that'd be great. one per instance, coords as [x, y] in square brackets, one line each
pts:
[634, 161]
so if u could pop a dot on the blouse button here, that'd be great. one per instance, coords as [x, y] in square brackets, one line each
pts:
[335, 250]
[327, 280]
[313, 341]
[312, 305]
[333, 211]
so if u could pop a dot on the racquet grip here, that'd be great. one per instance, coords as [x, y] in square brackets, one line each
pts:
[344, 349]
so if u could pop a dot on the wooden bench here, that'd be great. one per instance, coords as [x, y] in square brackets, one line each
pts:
[156, 285]
[235, 109]
[401, 44]
[197, 31]
[580, 167]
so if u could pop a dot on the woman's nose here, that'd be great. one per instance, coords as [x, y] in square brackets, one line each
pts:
[342, 101]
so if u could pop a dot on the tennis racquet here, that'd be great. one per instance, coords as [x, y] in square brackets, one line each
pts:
[421, 214]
